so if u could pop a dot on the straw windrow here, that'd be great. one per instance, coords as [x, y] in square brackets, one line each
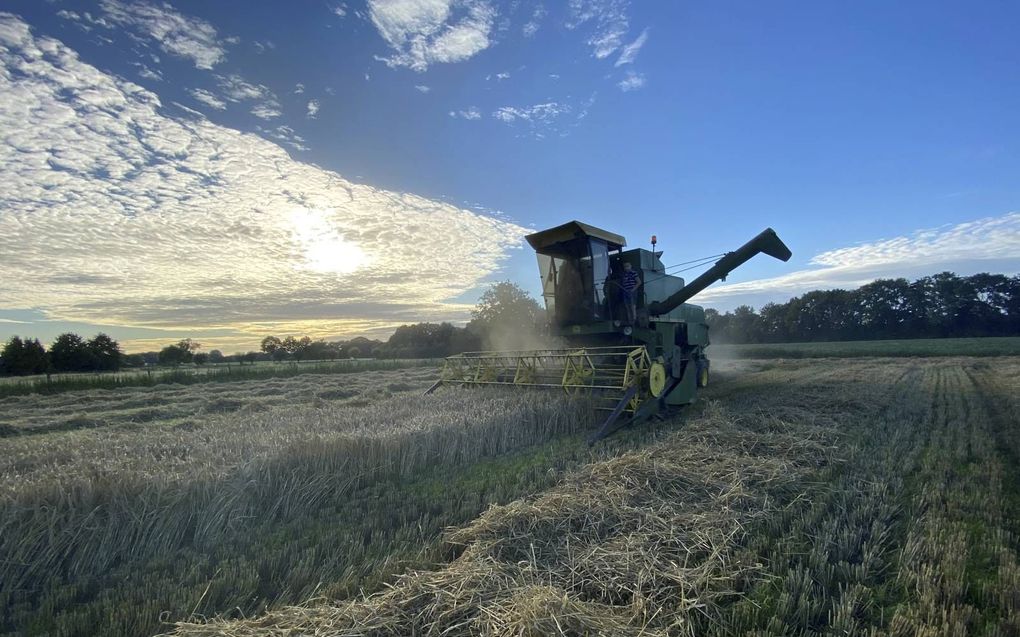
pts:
[642, 544]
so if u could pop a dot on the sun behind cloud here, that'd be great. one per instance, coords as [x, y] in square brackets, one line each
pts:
[118, 209]
[325, 250]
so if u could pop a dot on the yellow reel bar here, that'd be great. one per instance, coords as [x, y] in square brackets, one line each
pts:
[578, 371]
[636, 374]
[526, 372]
[610, 372]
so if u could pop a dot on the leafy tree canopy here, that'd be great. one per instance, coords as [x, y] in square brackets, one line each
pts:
[105, 353]
[941, 305]
[22, 358]
[70, 353]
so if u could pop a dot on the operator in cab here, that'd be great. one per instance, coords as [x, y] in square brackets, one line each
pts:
[630, 282]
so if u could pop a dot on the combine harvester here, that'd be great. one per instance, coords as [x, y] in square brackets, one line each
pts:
[635, 368]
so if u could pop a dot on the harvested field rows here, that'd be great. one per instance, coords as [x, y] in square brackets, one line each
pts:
[104, 529]
[915, 347]
[805, 497]
[191, 405]
[873, 496]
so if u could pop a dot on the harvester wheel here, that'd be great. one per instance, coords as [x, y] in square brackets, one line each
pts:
[657, 379]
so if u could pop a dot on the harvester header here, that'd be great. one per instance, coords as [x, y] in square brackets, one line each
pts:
[631, 338]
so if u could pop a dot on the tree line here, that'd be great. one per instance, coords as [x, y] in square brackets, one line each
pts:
[506, 317]
[68, 353]
[936, 306]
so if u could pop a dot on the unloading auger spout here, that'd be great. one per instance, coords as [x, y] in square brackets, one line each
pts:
[767, 242]
[636, 349]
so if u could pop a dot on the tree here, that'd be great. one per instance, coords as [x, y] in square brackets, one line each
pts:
[134, 360]
[70, 353]
[271, 344]
[21, 358]
[940, 305]
[506, 317]
[172, 355]
[200, 359]
[105, 353]
[189, 345]
[365, 346]
[425, 340]
[178, 353]
[215, 356]
[319, 350]
[298, 347]
[274, 347]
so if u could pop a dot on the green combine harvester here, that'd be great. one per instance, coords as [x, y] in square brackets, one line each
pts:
[635, 364]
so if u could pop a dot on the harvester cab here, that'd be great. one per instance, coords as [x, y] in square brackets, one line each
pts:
[634, 363]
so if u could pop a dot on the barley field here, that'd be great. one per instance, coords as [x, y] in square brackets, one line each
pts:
[193, 374]
[814, 496]
[917, 347]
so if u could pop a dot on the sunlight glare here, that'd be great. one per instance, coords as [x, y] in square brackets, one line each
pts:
[324, 249]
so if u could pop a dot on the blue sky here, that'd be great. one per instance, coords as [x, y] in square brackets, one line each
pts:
[228, 170]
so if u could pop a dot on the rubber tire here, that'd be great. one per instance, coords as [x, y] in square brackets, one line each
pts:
[703, 376]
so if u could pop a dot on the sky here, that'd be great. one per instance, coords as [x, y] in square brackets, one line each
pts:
[228, 170]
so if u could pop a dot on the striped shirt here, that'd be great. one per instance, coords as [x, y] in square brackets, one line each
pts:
[630, 280]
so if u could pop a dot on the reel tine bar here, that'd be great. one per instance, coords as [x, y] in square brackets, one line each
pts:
[610, 372]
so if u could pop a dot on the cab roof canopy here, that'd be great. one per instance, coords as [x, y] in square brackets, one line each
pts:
[547, 240]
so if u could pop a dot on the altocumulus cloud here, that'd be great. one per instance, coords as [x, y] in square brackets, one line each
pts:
[179, 35]
[112, 211]
[425, 32]
[991, 244]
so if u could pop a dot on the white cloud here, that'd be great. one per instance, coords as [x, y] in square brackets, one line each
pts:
[237, 89]
[546, 117]
[502, 76]
[299, 88]
[313, 108]
[421, 88]
[189, 110]
[988, 244]
[426, 32]
[632, 82]
[630, 52]
[147, 73]
[184, 36]
[543, 113]
[610, 21]
[266, 110]
[84, 20]
[146, 219]
[531, 27]
[262, 47]
[339, 10]
[208, 98]
[285, 135]
[469, 113]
